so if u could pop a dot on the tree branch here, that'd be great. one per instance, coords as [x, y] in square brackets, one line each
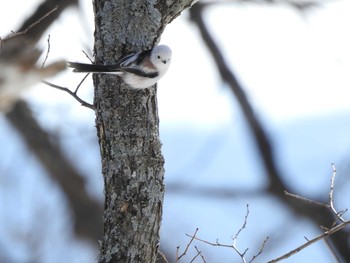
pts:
[187, 247]
[234, 244]
[73, 94]
[312, 241]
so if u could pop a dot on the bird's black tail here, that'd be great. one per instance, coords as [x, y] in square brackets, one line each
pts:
[82, 67]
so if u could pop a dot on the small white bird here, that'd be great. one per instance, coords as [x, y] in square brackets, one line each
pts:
[139, 71]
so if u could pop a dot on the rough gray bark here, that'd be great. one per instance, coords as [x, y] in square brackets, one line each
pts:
[127, 127]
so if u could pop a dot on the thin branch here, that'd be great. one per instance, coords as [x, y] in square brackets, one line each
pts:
[217, 244]
[187, 247]
[81, 82]
[329, 206]
[327, 232]
[73, 94]
[261, 249]
[244, 224]
[47, 52]
[331, 198]
[200, 254]
[87, 56]
[311, 241]
[234, 246]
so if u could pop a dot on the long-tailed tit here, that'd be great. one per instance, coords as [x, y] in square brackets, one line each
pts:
[140, 70]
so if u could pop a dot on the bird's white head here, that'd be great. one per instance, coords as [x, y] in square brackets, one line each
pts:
[161, 58]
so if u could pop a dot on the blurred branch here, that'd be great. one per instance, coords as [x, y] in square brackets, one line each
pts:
[213, 192]
[317, 214]
[300, 5]
[261, 139]
[18, 58]
[86, 211]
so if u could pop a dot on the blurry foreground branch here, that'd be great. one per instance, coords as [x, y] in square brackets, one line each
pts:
[86, 211]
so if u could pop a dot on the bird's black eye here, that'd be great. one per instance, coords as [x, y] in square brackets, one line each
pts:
[159, 57]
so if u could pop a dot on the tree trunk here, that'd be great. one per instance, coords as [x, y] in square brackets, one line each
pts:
[127, 126]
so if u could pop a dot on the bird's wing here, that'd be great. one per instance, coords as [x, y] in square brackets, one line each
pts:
[134, 60]
[132, 64]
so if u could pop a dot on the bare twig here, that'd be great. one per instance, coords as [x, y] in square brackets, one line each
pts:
[81, 82]
[177, 254]
[327, 232]
[311, 241]
[187, 247]
[331, 198]
[73, 94]
[200, 254]
[243, 226]
[234, 246]
[87, 56]
[217, 244]
[47, 52]
[260, 251]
